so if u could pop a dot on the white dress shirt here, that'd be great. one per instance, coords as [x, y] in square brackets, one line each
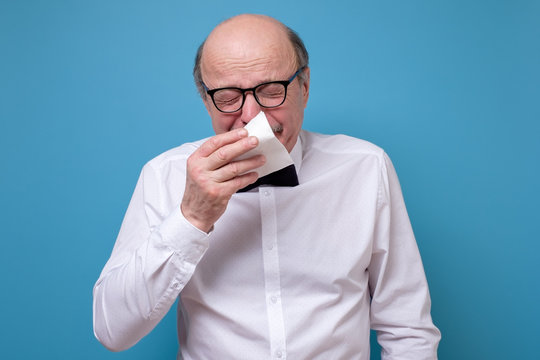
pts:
[287, 272]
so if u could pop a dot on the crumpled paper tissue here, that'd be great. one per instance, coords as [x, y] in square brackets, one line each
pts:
[277, 156]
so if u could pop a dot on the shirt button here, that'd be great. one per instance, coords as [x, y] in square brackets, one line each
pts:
[279, 354]
[270, 246]
[266, 193]
[273, 299]
[176, 285]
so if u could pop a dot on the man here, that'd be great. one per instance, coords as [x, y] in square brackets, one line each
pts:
[299, 272]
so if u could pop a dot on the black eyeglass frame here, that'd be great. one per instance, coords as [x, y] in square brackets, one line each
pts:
[285, 84]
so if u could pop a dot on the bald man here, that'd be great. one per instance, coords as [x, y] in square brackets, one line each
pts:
[300, 271]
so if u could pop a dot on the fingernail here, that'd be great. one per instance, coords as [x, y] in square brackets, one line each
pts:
[253, 140]
[242, 132]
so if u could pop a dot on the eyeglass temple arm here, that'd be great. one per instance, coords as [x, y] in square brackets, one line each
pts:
[296, 73]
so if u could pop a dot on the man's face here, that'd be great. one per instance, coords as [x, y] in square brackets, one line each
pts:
[245, 55]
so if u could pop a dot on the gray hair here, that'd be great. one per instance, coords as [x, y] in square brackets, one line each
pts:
[302, 59]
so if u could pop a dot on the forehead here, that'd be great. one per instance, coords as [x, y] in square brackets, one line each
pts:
[246, 53]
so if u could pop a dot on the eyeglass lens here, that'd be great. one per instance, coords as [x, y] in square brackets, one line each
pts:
[267, 95]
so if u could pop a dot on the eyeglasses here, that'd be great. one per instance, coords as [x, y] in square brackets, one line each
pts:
[268, 95]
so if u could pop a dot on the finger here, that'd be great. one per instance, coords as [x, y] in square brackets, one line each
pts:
[242, 181]
[238, 168]
[218, 141]
[228, 153]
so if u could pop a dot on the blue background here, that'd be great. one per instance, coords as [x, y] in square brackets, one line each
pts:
[91, 90]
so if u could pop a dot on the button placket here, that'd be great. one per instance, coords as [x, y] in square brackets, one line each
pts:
[272, 273]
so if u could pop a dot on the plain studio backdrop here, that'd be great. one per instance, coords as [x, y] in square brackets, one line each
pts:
[91, 90]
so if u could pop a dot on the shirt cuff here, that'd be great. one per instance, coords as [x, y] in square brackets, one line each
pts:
[183, 237]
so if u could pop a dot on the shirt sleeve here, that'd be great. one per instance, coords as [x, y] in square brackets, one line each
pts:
[154, 256]
[401, 305]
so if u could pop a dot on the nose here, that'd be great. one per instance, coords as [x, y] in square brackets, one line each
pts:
[250, 109]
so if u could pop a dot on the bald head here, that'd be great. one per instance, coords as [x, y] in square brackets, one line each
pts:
[247, 42]
[247, 27]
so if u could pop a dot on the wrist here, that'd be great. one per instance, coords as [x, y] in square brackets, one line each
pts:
[195, 221]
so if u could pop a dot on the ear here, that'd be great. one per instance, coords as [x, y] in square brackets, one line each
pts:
[305, 85]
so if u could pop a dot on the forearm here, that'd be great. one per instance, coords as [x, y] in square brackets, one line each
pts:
[137, 289]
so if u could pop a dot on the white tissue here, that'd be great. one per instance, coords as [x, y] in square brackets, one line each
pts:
[277, 156]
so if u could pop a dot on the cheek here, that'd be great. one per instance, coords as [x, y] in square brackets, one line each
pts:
[296, 111]
[218, 125]
[289, 116]
[222, 122]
